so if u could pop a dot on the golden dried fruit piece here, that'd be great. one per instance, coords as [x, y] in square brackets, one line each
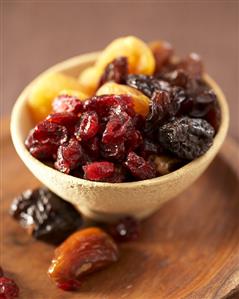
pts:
[140, 57]
[140, 101]
[74, 93]
[84, 252]
[165, 164]
[162, 51]
[46, 89]
[89, 79]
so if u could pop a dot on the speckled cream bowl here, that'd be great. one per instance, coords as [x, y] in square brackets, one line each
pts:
[107, 201]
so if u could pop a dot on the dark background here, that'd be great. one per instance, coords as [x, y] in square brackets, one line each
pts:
[38, 34]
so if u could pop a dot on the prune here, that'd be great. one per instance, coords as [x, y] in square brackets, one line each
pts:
[66, 103]
[49, 132]
[105, 103]
[69, 156]
[163, 106]
[162, 52]
[187, 138]
[88, 126]
[115, 71]
[124, 230]
[45, 215]
[83, 253]
[98, 171]
[166, 164]
[8, 288]
[139, 168]
[118, 128]
[147, 84]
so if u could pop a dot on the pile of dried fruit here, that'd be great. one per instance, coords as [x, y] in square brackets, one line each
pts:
[135, 115]
[49, 218]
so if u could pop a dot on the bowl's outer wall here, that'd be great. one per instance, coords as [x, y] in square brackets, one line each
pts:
[103, 201]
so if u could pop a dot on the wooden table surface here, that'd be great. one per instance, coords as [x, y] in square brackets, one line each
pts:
[37, 34]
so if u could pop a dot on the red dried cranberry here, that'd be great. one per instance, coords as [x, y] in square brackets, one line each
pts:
[114, 152]
[133, 141]
[66, 103]
[43, 152]
[118, 128]
[115, 71]
[66, 119]
[98, 171]
[8, 288]
[124, 230]
[88, 126]
[140, 168]
[48, 132]
[92, 147]
[70, 285]
[118, 175]
[106, 103]
[69, 156]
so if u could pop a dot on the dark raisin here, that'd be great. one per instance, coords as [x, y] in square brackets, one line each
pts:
[115, 71]
[139, 168]
[176, 78]
[69, 156]
[66, 103]
[147, 84]
[45, 215]
[213, 116]
[88, 126]
[187, 138]
[8, 288]
[124, 230]
[98, 171]
[149, 147]
[193, 65]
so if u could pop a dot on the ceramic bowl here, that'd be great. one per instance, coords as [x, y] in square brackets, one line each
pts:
[107, 201]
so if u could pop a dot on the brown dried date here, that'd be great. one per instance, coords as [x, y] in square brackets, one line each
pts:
[84, 252]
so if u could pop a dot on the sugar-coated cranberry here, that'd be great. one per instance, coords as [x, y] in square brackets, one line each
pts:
[88, 126]
[140, 168]
[8, 288]
[66, 103]
[98, 171]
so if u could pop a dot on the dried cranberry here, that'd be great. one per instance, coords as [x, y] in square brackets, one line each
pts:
[113, 152]
[49, 132]
[118, 128]
[98, 171]
[92, 147]
[140, 168]
[187, 138]
[66, 103]
[115, 71]
[118, 176]
[69, 156]
[8, 288]
[43, 152]
[88, 126]
[69, 285]
[66, 119]
[124, 230]
[134, 141]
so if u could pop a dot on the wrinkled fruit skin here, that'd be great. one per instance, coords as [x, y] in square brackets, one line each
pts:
[8, 288]
[187, 138]
[124, 230]
[84, 252]
[98, 171]
[45, 215]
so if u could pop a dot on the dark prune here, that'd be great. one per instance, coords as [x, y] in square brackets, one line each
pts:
[103, 105]
[163, 106]
[49, 132]
[115, 71]
[118, 128]
[8, 288]
[88, 126]
[45, 215]
[124, 230]
[98, 171]
[66, 103]
[139, 168]
[149, 147]
[187, 138]
[69, 156]
[147, 84]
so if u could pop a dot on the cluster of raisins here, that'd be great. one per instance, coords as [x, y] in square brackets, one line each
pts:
[104, 139]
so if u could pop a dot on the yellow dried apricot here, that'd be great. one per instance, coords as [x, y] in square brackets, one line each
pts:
[45, 90]
[89, 79]
[140, 101]
[75, 93]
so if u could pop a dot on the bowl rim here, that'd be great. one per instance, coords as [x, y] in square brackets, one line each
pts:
[89, 58]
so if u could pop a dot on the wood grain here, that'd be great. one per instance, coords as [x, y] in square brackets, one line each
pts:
[188, 249]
